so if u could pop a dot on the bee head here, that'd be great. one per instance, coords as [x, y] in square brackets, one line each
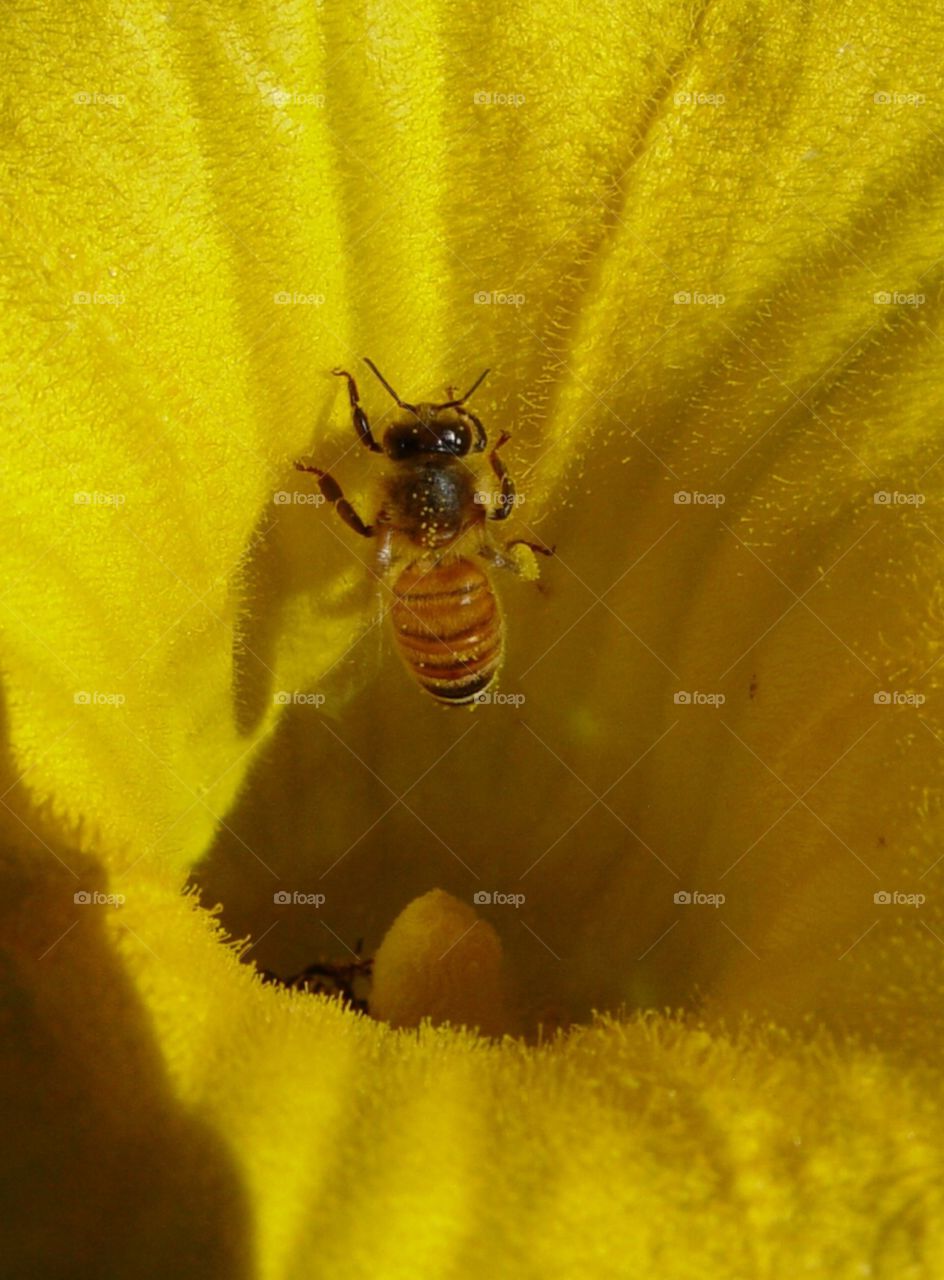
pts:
[428, 429]
[446, 428]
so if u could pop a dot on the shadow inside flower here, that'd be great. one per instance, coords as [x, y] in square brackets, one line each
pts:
[106, 1173]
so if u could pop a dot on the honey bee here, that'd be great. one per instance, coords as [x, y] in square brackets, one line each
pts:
[446, 618]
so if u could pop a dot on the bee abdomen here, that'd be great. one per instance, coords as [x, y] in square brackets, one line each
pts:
[448, 628]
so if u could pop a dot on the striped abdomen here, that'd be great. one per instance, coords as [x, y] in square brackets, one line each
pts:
[448, 628]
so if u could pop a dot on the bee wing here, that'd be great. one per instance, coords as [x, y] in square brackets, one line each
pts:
[363, 660]
[375, 637]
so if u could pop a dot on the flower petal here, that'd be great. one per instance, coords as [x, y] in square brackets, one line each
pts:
[169, 197]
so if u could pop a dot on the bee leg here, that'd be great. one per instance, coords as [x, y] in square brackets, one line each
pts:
[481, 439]
[361, 425]
[503, 558]
[313, 971]
[331, 492]
[508, 491]
[539, 547]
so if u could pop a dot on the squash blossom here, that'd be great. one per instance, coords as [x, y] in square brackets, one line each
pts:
[686, 869]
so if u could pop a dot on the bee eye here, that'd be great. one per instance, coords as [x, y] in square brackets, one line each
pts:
[457, 439]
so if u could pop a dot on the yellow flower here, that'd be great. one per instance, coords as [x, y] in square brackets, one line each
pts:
[700, 250]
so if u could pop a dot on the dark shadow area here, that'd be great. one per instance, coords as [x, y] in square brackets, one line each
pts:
[105, 1174]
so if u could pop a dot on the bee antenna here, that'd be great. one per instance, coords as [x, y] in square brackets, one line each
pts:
[383, 381]
[451, 404]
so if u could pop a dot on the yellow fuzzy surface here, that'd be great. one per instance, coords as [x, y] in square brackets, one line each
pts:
[700, 247]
